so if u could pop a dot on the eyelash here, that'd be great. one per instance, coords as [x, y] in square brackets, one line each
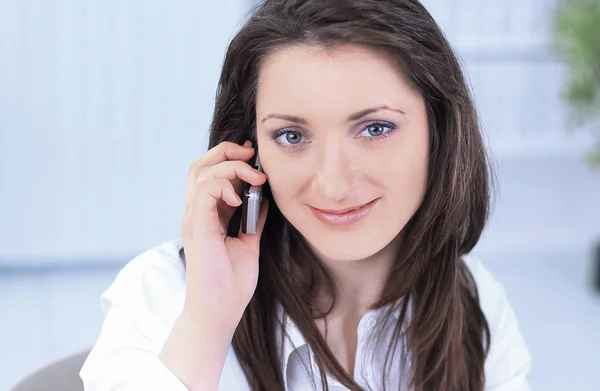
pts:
[391, 128]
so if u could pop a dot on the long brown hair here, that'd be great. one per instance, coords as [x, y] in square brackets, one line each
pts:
[447, 336]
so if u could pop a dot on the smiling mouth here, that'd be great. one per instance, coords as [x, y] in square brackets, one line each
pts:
[344, 216]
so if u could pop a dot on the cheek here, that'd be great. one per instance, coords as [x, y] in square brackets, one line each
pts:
[282, 186]
[414, 176]
[406, 172]
[286, 177]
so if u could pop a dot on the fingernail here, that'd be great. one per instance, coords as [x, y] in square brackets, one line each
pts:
[237, 198]
[247, 143]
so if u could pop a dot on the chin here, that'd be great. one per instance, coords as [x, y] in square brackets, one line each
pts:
[343, 255]
[345, 251]
[349, 243]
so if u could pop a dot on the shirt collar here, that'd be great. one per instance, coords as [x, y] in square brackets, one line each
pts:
[292, 339]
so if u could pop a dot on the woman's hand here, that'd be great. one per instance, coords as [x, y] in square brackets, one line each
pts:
[222, 271]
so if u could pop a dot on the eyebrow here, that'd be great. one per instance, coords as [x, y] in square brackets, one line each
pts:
[351, 117]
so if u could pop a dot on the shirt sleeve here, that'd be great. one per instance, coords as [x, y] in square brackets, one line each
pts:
[509, 362]
[140, 308]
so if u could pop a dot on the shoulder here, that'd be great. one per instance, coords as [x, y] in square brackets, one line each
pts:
[492, 295]
[147, 297]
[155, 278]
[508, 362]
[140, 307]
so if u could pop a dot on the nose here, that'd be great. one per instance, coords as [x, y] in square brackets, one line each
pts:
[333, 174]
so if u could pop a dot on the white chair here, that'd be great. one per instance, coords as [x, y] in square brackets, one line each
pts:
[61, 375]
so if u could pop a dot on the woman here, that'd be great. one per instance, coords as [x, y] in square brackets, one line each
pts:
[377, 190]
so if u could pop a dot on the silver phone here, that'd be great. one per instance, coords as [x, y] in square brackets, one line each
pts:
[251, 200]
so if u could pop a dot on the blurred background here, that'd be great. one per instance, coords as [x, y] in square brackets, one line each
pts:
[104, 104]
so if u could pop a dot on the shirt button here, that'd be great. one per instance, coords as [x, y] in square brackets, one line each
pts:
[367, 373]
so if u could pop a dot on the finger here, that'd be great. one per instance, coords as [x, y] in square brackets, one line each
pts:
[205, 196]
[222, 152]
[235, 171]
[238, 186]
[232, 170]
[254, 240]
[202, 220]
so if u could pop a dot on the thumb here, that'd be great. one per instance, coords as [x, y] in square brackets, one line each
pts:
[254, 240]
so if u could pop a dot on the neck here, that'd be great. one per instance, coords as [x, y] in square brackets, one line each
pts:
[359, 283]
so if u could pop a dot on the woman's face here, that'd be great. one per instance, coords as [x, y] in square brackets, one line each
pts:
[339, 130]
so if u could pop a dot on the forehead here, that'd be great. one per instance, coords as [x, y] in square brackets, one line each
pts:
[303, 76]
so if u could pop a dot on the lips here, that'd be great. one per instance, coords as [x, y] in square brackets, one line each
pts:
[341, 211]
[344, 216]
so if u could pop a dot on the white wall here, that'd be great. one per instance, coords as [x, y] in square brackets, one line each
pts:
[104, 104]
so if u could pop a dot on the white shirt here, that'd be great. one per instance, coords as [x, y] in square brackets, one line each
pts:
[147, 296]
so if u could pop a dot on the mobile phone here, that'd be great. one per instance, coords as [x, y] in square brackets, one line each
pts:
[251, 200]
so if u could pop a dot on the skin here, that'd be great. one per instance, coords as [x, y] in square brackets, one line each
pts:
[335, 163]
[324, 160]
